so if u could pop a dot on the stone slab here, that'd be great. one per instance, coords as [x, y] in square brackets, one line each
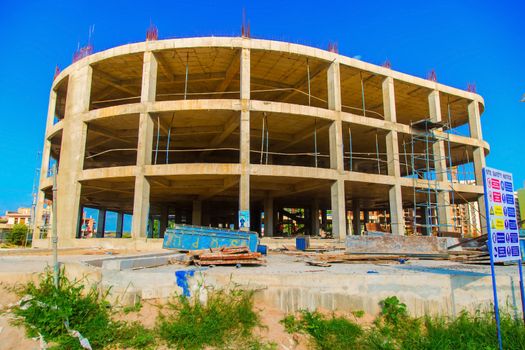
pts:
[394, 244]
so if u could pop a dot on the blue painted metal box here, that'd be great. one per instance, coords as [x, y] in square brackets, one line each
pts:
[188, 237]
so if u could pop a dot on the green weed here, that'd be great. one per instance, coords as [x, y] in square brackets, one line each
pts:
[226, 317]
[327, 332]
[49, 311]
[132, 308]
[394, 329]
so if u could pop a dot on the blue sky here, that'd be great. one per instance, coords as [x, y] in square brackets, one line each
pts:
[467, 41]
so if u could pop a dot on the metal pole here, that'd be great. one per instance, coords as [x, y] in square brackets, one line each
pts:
[522, 292]
[168, 143]
[350, 147]
[363, 94]
[492, 270]
[54, 239]
[308, 72]
[315, 140]
[405, 150]
[262, 138]
[267, 137]
[377, 155]
[158, 137]
[186, 78]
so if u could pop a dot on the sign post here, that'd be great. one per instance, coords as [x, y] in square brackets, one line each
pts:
[502, 229]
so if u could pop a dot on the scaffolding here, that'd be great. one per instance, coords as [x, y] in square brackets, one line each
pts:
[431, 164]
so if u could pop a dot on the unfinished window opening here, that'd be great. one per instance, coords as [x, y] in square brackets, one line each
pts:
[289, 78]
[462, 168]
[106, 208]
[116, 81]
[201, 200]
[112, 142]
[285, 139]
[364, 149]
[454, 112]
[361, 92]
[292, 205]
[198, 73]
[60, 103]
[196, 137]
[411, 102]
[54, 152]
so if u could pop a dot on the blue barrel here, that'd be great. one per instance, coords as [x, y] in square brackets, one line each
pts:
[188, 237]
[263, 249]
[302, 242]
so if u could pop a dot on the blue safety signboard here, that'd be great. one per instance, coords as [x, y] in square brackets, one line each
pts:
[501, 215]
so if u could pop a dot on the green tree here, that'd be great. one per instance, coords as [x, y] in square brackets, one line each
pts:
[18, 234]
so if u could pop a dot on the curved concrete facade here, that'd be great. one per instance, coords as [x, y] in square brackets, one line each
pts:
[194, 130]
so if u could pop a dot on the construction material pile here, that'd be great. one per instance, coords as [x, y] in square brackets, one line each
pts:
[472, 251]
[237, 256]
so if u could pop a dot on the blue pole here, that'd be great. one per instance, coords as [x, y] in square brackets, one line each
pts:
[491, 255]
[521, 290]
[495, 292]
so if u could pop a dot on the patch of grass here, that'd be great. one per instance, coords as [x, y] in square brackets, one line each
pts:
[226, 318]
[328, 333]
[358, 313]
[132, 308]
[394, 329]
[135, 336]
[47, 310]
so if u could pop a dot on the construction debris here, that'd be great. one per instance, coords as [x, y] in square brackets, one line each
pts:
[226, 256]
[473, 251]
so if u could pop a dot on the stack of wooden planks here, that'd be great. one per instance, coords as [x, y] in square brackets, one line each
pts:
[473, 251]
[226, 256]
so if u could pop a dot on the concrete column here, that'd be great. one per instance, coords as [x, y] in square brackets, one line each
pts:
[474, 120]
[163, 221]
[149, 77]
[397, 221]
[478, 155]
[44, 167]
[337, 189]
[440, 163]
[101, 223]
[196, 213]
[268, 217]
[314, 216]
[356, 212]
[72, 152]
[141, 201]
[323, 218]
[244, 184]
[366, 216]
[120, 224]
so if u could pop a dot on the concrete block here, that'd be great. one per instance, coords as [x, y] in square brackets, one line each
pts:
[141, 262]
[395, 244]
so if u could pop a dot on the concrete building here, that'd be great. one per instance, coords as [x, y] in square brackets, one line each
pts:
[207, 130]
[21, 216]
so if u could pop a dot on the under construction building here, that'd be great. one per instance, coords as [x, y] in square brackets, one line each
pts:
[206, 130]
